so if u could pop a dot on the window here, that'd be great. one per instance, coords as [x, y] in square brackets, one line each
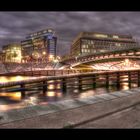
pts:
[92, 42]
[115, 36]
[100, 35]
[83, 46]
[117, 44]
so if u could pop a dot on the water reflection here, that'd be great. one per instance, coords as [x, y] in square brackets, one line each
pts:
[4, 79]
[14, 100]
[125, 86]
[51, 94]
[16, 96]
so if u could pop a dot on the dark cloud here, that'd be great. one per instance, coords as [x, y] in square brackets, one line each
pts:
[14, 26]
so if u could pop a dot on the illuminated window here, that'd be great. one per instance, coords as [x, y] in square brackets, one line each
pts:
[92, 42]
[101, 35]
[117, 44]
[137, 52]
[115, 36]
[49, 30]
[83, 46]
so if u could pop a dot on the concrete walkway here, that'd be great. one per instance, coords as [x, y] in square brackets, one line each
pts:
[78, 113]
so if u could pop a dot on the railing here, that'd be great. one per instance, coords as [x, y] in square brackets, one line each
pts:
[46, 72]
[109, 54]
[79, 81]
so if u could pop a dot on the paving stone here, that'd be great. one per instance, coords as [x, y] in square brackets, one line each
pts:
[54, 107]
[61, 105]
[96, 99]
[72, 104]
[120, 94]
[4, 117]
[137, 91]
[129, 92]
[107, 96]
[91, 100]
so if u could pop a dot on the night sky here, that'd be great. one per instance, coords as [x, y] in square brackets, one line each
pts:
[14, 26]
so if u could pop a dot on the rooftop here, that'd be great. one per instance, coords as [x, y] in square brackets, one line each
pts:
[102, 35]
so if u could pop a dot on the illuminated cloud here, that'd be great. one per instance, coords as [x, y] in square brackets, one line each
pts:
[14, 26]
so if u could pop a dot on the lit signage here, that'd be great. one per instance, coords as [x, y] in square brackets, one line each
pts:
[44, 32]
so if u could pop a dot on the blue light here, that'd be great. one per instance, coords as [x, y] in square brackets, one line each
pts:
[50, 37]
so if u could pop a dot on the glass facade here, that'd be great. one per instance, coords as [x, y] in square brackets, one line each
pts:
[40, 46]
[12, 53]
[98, 42]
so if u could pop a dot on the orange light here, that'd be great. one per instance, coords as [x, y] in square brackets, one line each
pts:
[44, 53]
[51, 94]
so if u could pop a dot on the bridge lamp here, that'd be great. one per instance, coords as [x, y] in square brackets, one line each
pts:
[126, 61]
[51, 57]
[55, 60]
[44, 53]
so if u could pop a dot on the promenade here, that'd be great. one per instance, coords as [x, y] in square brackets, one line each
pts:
[119, 109]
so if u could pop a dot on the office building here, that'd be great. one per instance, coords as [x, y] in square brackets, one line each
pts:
[39, 46]
[93, 42]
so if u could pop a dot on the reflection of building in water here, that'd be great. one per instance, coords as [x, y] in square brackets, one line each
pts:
[40, 46]
[12, 53]
[93, 42]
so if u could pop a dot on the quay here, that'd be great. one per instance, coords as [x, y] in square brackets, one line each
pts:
[75, 113]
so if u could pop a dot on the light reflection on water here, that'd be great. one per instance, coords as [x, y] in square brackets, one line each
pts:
[14, 100]
[4, 79]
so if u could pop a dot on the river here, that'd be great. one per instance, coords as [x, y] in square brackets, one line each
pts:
[14, 100]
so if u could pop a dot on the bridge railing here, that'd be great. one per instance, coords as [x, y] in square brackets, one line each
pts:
[108, 54]
[79, 81]
[45, 72]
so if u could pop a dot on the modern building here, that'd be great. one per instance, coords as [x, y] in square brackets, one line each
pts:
[39, 46]
[11, 53]
[93, 42]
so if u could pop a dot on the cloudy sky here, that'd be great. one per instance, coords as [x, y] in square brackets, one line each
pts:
[14, 26]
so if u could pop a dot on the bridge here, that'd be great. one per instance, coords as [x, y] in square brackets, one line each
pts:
[79, 81]
[109, 56]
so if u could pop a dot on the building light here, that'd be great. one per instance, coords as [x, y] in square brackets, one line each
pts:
[51, 57]
[117, 44]
[44, 53]
[101, 35]
[115, 36]
[126, 61]
[55, 60]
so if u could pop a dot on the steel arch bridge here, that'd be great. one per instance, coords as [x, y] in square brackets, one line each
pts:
[103, 57]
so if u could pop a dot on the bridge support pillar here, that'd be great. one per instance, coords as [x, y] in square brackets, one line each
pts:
[129, 79]
[138, 78]
[80, 83]
[64, 85]
[23, 90]
[94, 81]
[44, 87]
[107, 80]
[118, 80]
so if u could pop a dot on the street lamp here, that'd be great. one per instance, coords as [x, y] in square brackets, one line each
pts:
[44, 53]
